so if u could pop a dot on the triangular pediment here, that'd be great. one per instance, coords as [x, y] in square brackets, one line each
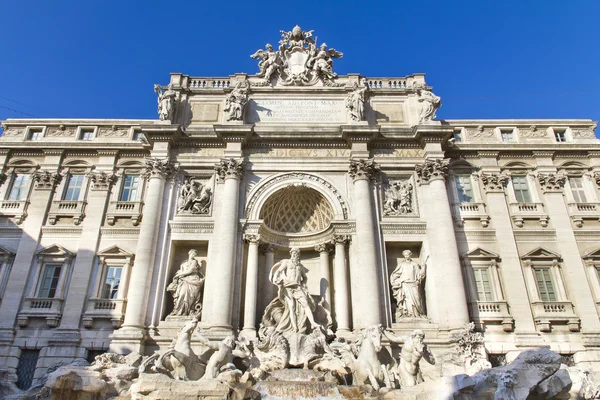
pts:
[593, 255]
[5, 252]
[54, 251]
[541, 253]
[115, 251]
[482, 254]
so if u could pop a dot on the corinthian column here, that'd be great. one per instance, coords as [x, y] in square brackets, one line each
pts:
[366, 293]
[157, 172]
[219, 276]
[340, 288]
[445, 288]
[251, 285]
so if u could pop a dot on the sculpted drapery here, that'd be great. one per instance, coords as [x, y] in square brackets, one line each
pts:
[186, 287]
[406, 281]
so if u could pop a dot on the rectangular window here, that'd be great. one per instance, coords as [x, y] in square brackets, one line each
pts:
[35, 134]
[49, 282]
[482, 282]
[560, 136]
[73, 189]
[577, 189]
[26, 368]
[457, 136]
[86, 134]
[18, 190]
[543, 279]
[464, 188]
[130, 187]
[137, 135]
[507, 136]
[521, 189]
[111, 282]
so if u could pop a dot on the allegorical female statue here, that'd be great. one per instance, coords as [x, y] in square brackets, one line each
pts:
[186, 288]
[406, 281]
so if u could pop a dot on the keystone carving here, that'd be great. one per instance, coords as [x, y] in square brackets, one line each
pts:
[159, 167]
[431, 170]
[229, 168]
[45, 180]
[363, 169]
[494, 182]
[101, 180]
[552, 182]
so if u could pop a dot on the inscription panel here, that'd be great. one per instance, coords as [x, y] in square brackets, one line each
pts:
[290, 111]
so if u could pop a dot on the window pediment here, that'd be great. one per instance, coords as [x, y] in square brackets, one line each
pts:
[541, 254]
[55, 251]
[593, 255]
[481, 254]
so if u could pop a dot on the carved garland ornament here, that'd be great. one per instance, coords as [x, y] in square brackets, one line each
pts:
[552, 182]
[363, 169]
[431, 170]
[229, 168]
[494, 182]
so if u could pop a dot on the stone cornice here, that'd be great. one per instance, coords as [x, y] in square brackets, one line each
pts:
[234, 133]
[360, 133]
[162, 132]
[433, 133]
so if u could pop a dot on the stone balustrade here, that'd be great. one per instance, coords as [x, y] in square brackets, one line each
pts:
[208, 83]
[124, 209]
[14, 208]
[67, 208]
[581, 211]
[492, 312]
[522, 211]
[470, 211]
[41, 307]
[546, 313]
[111, 309]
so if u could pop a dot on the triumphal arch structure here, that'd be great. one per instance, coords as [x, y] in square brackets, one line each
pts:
[300, 202]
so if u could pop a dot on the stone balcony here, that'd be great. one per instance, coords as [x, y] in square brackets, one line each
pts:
[112, 309]
[14, 208]
[470, 211]
[124, 209]
[492, 313]
[41, 307]
[581, 211]
[547, 313]
[533, 211]
[67, 209]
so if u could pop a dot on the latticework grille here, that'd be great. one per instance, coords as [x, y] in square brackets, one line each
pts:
[297, 210]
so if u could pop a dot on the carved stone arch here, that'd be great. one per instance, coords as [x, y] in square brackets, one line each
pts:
[462, 164]
[517, 166]
[573, 168]
[268, 186]
[23, 166]
[77, 166]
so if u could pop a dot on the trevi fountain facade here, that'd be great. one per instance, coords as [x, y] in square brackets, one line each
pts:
[299, 234]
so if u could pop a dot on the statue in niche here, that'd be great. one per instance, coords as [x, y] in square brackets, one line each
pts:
[429, 104]
[398, 199]
[195, 197]
[186, 288]
[236, 101]
[166, 102]
[270, 62]
[407, 281]
[293, 308]
[413, 350]
[355, 103]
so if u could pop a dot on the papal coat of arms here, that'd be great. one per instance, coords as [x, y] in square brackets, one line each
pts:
[298, 61]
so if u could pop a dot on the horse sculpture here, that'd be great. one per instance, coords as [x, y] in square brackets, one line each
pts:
[181, 361]
[368, 367]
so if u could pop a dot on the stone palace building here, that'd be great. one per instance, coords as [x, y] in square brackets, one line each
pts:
[98, 218]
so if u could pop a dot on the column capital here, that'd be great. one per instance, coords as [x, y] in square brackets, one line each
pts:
[431, 170]
[363, 169]
[340, 239]
[323, 248]
[596, 177]
[230, 168]
[101, 180]
[252, 238]
[552, 182]
[46, 180]
[494, 182]
[159, 167]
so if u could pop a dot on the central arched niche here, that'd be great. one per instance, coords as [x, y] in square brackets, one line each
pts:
[297, 209]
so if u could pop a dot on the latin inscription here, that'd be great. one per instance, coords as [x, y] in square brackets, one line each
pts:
[297, 111]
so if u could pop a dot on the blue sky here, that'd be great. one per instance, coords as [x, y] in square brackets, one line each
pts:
[486, 59]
